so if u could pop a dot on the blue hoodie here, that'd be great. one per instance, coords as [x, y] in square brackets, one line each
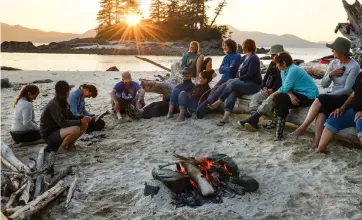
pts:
[77, 104]
[229, 66]
[297, 80]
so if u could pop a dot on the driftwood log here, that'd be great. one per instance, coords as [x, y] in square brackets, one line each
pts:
[71, 191]
[297, 117]
[60, 175]
[40, 202]
[8, 154]
[154, 63]
[39, 177]
[194, 172]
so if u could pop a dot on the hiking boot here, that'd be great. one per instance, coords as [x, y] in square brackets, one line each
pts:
[251, 123]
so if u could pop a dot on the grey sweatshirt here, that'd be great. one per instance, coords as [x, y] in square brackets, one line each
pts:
[24, 118]
[341, 85]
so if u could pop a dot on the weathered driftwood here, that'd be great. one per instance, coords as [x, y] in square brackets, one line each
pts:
[32, 164]
[297, 117]
[14, 194]
[60, 175]
[26, 193]
[10, 211]
[194, 172]
[7, 164]
[8, 154]
[49, 164]
[39, 178]
[154, 63]
[40, 202]
[156, 87]
[353, 30]
[71, 191]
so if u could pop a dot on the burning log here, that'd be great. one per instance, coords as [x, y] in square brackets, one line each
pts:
[205, 187]
[40, 202]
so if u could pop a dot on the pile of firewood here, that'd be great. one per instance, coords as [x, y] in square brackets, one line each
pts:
[25, 189]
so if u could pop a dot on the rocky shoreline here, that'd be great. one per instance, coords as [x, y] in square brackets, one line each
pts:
[101, 47]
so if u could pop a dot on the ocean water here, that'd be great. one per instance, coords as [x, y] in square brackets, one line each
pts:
[93, 62]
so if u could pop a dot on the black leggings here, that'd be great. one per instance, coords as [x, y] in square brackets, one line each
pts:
[283, 103]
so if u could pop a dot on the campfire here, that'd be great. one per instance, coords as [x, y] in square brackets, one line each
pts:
[195, 181]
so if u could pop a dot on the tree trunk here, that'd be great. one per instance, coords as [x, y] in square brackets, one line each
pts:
[40, 202]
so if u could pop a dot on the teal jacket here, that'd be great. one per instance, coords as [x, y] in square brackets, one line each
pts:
[297, 80]
[186, 59]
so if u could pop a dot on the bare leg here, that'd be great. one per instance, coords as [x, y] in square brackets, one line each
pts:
[327, 136]
[170, 112]
[312, 114]
[23, 144]
[181, 117]
[216, 104]
[226, 117]
[83, 128]
[199, 62]
[209, 65]
[319, 125]
[69, 136]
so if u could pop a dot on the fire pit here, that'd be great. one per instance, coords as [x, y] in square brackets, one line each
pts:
[195, 181]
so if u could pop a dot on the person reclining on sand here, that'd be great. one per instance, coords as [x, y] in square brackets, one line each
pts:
[262, 103]
[349, 115]
[188, 102]
[127, 92]
[298, 90]
[158, 109]
[77, 105]
[228, 69]
[193, 61]
[58, 127]
[342, 72]
[24, 130]
[248, 82]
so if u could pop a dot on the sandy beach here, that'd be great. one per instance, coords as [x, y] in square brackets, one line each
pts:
[294, 183]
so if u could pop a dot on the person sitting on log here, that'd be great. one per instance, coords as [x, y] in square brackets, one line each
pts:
[298, 90]
[348, 115]
[262, 103]
[342, 73]
[249, 81]
[228, 70]
[24, 130]
[58, 127]
[127, 92]
[77, 105]
[187, 102]
[193, 61]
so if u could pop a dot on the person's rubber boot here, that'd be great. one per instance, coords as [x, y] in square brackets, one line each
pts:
[251, 124]
[242, 122]
[279, 128]
[273, 123]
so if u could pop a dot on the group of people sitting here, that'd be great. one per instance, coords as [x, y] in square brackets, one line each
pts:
[285, 86]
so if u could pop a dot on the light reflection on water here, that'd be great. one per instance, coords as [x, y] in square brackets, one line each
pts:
[92, 62]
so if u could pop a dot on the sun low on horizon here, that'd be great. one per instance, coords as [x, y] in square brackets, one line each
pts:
[133, 19]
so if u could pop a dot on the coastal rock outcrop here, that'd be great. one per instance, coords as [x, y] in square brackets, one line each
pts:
[5, 83]
[113, 68]
[8, 45]
[8, 68]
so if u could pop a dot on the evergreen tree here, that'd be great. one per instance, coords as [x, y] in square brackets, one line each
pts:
[105, 14]
[157, 11]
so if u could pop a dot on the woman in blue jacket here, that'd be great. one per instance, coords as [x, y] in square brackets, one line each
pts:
[77, 105]
[249, 80]
[228, 69]
[298, 90]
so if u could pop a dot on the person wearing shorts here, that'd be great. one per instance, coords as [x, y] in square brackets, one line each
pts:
[58, 127]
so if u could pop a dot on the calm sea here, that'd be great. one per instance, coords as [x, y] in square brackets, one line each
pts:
[91, 62]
